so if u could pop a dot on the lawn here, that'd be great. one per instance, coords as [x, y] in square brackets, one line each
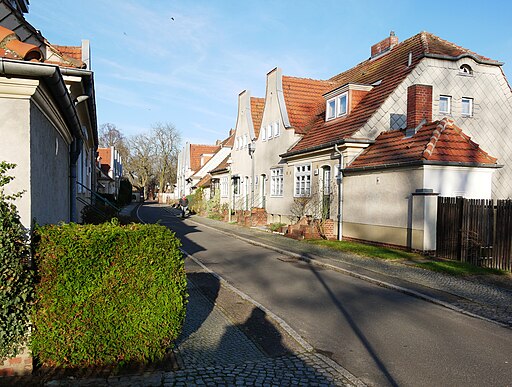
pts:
[429, 263]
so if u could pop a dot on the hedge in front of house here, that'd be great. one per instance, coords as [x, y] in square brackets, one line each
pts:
[107, 294]
[16, 275]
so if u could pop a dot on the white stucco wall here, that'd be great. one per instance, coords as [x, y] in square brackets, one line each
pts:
[268, 151]
[471, 183]
[242, 163]
[15, 137]
[378, 205]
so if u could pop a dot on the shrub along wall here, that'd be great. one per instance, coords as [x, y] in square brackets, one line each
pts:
[16, 276]
[107, 294]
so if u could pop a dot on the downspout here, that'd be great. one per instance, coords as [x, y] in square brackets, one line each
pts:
[339, 180]
[52, 77]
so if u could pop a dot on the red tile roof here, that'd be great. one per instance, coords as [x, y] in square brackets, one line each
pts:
[439, 141]
[230, 141]
[222, 167]
[257, 106]
[196, 153]
[74, 52]
[303, 98]
[206, 181]
[12, 47]
[390, 69]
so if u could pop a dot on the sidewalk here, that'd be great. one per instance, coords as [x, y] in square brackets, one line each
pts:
[477, 296]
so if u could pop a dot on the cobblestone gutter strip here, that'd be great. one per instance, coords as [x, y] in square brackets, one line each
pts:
[493, 306]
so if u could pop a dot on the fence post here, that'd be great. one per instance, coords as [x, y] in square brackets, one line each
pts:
[424, 220]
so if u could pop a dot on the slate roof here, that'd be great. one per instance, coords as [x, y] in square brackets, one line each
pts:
[390, 69]
[257, 106]
[439, 141]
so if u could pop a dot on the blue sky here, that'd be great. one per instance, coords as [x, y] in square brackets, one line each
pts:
[189, 71]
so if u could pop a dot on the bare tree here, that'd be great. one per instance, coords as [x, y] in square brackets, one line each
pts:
[316, 206]
[166, 144]
[110, 135]
[140, 163]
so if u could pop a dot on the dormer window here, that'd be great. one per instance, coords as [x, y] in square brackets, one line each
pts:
[337, 106]
[466, 69]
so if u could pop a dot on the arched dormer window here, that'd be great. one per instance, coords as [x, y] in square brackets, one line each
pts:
[466, 69]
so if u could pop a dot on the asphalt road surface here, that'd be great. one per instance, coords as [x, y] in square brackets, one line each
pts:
[381, 336]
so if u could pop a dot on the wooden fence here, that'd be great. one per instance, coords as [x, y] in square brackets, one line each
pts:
[475, 231]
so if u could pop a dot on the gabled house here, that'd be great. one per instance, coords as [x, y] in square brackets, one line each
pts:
[402, 86]
[48, 126]
[247, 129]
[110, 171]
[289, 104]
[314, 131]
[195, 161]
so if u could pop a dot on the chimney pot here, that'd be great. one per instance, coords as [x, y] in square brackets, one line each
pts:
[384, 45]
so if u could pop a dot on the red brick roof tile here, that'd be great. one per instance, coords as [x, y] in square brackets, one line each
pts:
[390, 69]
[257, 106]
[303, 98]
[196, 154]
[74, 52]
[12, 48]
[439, 141]
[230, 141]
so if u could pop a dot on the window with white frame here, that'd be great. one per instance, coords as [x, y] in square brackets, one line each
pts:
[269, 131]
[245, 141]
[224, 187]
[263, 133]
[342, 104]
[467, 106]
[330, 109]
[303, 180]
[277, 131]
[276, 182]
[337, 106]
[445, 104]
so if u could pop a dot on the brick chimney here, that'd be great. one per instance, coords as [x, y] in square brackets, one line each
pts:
[385, 45]
[419, 105]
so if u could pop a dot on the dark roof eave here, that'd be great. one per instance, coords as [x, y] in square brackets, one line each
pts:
[467, 55]
[420, 163]
[220, 170]
[325, 146]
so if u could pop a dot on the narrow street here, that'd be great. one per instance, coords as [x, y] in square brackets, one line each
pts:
[381, 336]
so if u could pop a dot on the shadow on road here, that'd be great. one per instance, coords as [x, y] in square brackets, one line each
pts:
[360, 334]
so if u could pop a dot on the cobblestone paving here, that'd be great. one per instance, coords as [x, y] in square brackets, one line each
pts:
[477, 297]
[305, 369]
[208, 339]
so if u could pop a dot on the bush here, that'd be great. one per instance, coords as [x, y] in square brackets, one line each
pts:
[107, 294]
[16, 276]
[125, 193]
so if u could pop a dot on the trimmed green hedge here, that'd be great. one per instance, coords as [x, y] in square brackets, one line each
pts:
[107, 294]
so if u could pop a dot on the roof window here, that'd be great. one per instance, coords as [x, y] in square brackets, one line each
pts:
[466, 70]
